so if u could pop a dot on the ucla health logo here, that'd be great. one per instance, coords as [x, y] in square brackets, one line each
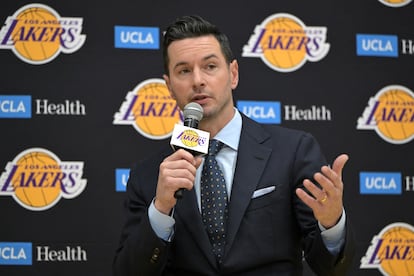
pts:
[395, 3]
[137, 37]
[14, 106]
[20, 106]
[386, 183]
[268, 112]
[261, 111]
[37, 179]
[37, 34]
[284, 43]
[391, 251]
[391, 114]
[150, 109]
[377, 45]
[15, 253]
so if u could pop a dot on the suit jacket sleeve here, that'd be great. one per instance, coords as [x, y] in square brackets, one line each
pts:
[316, 254]
[140, 251]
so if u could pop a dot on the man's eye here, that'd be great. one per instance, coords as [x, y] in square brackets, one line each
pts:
[183, 71]
[211, 66]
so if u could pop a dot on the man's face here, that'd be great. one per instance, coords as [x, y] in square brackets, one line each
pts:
[199, 73]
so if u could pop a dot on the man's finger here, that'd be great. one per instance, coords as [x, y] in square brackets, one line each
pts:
[339, 164]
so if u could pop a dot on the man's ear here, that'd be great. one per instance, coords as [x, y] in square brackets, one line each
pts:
[234, 71]
[167, 82]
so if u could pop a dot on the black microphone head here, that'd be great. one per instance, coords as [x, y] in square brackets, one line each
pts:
[193, 111]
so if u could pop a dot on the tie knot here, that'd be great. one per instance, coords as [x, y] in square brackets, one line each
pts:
[214, 147]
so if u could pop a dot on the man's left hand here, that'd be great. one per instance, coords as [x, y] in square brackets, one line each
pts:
[326, 200]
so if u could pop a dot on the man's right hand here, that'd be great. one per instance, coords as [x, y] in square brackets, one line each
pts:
[176, 171]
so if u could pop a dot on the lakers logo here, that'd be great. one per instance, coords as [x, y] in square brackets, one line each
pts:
[392, 251]
[391, 114]
[150, 109]
[284, 43]
[37, 179]
[189, 138]
[37, 34]
[395, 3]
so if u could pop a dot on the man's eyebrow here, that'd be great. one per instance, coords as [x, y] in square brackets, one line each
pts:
[210, 56]
[183, 63]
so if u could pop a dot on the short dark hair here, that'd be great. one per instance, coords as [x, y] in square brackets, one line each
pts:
[190, 26]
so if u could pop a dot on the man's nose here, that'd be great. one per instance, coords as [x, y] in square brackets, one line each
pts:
[198, 78]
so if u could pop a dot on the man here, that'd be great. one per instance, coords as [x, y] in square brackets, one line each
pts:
[283, 202]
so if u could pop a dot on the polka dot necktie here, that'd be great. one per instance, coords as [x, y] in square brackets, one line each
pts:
[214, 200]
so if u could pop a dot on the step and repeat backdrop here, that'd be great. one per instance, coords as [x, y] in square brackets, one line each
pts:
[82, 98]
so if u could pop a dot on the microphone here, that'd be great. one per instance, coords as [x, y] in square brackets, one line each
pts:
[193, 113]
[188, 136]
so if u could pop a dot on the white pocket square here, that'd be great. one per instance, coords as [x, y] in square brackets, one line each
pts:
[263, 191]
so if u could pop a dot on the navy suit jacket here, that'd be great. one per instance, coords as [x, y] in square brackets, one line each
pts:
[266, 235]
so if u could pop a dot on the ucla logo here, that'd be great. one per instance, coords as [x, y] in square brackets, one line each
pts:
[137, 37]
[380, 183]
[121, 179]
[391, 251]
[16, 253]
[37, 179]
[15, 106]
[395, 3]
[150, 109]
[377, 45]
[37, 34]
[284, 43]
[391, 114]
[261, 111]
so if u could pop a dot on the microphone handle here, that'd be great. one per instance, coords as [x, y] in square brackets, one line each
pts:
[189, 122]
[179, 193]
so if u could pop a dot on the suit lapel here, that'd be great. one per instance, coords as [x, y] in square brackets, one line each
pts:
[251, 161]
[188, 212]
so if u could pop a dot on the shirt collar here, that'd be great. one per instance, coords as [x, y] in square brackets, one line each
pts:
[230, 133]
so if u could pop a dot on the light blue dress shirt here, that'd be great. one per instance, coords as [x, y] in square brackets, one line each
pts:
[163, 225]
